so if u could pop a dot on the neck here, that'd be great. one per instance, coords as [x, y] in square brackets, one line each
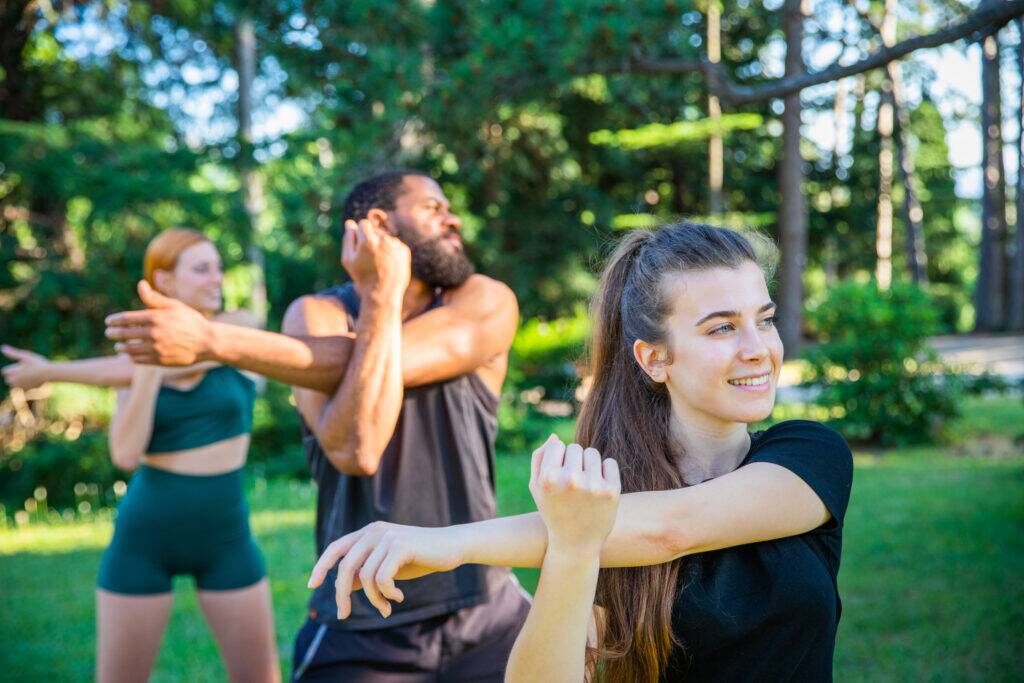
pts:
[709, 447]
[418, 296]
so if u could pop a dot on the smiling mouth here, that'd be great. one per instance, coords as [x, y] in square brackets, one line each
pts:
[759, 380]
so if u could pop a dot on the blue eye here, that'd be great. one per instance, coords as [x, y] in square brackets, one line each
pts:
[770, 322]
[721, 329]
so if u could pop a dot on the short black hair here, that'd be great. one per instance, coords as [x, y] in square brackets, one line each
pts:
[377, 192]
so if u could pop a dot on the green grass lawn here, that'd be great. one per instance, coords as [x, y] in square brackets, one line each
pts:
[931, 578]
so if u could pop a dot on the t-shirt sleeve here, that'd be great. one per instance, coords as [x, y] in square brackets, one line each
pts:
[818, 455]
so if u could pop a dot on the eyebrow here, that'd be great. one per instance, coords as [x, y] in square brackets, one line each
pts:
[731, 314]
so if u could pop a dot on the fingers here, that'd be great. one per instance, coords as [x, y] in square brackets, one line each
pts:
[349, 240]
[143, 318]
[388, 570]
[592, 467]
[611, 475]
[332, 554]
[537, 456]
[551, 461]
[573, 465]
[129, 333]
[343, 584]
[153, 298]
[368, 579]
[15, 353]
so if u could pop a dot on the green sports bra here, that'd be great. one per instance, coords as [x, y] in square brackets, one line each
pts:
[217, 408]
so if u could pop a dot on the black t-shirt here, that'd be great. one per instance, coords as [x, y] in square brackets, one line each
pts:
[769, 611]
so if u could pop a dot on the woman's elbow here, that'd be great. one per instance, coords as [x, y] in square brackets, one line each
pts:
[125, 459]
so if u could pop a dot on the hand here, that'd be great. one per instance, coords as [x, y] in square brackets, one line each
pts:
[380, 553]
[374, 258]
[168, 332]
[576, 496]
[30, 370]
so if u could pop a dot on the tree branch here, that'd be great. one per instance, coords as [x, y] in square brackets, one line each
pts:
[989, 17]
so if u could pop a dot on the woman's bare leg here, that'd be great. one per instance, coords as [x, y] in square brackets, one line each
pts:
[129, 629]
[242, 621]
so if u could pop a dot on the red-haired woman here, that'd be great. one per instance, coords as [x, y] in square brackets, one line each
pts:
[185, 433]
[722, 559]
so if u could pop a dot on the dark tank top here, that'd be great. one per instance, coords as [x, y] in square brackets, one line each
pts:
[217, 408]
[437, 470]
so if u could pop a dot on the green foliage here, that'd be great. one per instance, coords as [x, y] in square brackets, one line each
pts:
[874, 371]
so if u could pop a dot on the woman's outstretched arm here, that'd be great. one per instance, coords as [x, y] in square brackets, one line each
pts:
[757, 502]
[32, 370]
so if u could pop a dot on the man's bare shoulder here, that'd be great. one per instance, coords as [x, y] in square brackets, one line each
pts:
[484, 290]
[315, 314]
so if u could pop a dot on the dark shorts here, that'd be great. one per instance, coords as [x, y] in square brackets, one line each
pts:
[472, 644]
[171, 524]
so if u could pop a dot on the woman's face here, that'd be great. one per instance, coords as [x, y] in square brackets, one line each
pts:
[724, 351]
[197, 279]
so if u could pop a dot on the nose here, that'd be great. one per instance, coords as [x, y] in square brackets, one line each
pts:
[453, 221]
[752, 345]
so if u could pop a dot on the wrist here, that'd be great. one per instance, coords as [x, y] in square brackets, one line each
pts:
[572, 556]
[216, 345]
[585, 550]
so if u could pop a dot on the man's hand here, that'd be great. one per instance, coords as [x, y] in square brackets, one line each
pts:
[374, 259]
[30, 370]
[168, 332]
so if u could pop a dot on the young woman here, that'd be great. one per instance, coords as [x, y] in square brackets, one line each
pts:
[724, 553]
[185, 433]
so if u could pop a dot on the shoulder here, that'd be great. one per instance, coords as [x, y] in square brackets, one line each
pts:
[485, 293]
[241, 317]
[802, 438]
[482, 284]
[315, 314]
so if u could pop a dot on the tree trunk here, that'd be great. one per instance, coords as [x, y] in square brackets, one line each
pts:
[716, 148]
[252, 182]
[1016, 302]
[913, 215]
[990, 302]
[16, 21]
[883, 229]
[792, 210]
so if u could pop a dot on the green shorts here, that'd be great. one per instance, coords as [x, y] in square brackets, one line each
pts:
[172, 524]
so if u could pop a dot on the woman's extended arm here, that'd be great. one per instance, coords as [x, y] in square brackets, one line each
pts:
[32, 370]
[758, 502]
[132, 423]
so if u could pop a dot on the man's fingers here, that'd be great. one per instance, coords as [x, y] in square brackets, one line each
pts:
[135, 332]
[143, 318]
[348, 242]
[332, 554]
[153, 298]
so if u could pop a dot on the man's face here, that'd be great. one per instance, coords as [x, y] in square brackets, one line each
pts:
[422, 218]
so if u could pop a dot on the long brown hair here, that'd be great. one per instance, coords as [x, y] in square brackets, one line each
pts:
[627, 416]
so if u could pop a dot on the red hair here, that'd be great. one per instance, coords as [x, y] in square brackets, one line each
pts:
[164, 249]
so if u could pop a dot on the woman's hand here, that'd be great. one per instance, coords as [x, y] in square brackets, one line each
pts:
[30, 370]
[577, 497]
[380, 553]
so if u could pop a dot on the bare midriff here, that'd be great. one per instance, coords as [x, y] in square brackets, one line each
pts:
[215, 458]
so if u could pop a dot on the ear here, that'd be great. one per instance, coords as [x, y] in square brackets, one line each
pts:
[653, 359]
[379, 217]
[163, 280]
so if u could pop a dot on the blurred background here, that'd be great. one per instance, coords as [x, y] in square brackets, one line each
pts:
[878, 143]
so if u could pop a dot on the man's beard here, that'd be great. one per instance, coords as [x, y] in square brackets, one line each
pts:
[435, 264]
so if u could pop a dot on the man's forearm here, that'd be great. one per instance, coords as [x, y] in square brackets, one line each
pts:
[317, 363]
[360, 417]
[642, 535]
